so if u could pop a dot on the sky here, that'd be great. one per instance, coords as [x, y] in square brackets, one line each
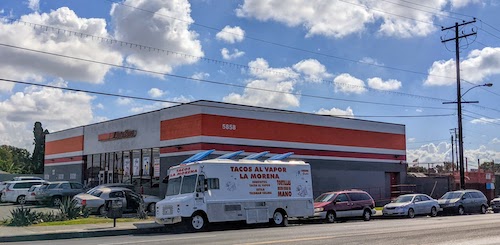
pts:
[380, 60]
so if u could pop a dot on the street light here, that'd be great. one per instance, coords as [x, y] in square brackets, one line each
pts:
[460, 131]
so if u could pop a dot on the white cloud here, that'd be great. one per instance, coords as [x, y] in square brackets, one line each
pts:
[312, 69]
[231, 34]
[99, 106]
[369, 60]
[379, 84]
[34, 5]
[54, 108]
[349, 17]
[157, 31]
[200, 75]
[495, 141]
[419, 110]
[438, 153]
[462, 3]
[124, 101]
[156, 92]
[266, 78]
[484, 120]
[337, 112]
[34, 65]
[411, 139]
[479, 65]
[348, 84]
[228, 56]
[141, 108]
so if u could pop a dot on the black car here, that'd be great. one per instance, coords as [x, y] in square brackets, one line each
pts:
[464, 201]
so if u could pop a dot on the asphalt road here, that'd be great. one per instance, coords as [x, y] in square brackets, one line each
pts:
[467, 229]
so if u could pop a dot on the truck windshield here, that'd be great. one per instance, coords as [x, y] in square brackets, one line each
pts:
[173, 186]
[188, 184]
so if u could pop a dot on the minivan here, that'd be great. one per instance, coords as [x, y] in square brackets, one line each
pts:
[331, 206]
[464, 201]
[16, 191]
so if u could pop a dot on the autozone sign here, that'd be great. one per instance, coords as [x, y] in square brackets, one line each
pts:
[117, 135]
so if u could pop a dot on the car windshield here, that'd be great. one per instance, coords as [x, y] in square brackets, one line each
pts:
[451, 195]
[403, 199]
[95, 192]
[325, 197]
[174, 186]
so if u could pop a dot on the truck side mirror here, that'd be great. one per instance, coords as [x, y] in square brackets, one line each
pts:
[205, 185]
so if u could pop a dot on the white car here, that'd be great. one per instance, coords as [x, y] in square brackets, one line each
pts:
[32, 193]
[95, 199]
[16, 191]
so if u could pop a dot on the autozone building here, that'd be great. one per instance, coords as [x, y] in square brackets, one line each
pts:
[343, 153]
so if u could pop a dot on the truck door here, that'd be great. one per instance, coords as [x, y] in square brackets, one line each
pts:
[200, 191]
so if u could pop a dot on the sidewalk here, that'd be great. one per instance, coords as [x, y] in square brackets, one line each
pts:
[34, 233]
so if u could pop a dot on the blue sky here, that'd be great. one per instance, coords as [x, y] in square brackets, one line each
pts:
[366, 59]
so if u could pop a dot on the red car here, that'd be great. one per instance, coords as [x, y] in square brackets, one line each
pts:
[331, 206]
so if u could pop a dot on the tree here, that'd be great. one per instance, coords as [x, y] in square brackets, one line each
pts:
[14, 160]
[417, 169]
[490, 166]
[38, 157]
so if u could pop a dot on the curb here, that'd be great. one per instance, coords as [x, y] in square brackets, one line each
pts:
[83, 234]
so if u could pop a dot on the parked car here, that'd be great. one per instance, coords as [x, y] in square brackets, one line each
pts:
[495, 204]
[464, 201]
[26, 178]
[128, 186]
[16, 191]
[331, 206]
[95, 199]
[3, 184]
[54, 192]
[412, 204]
[32, 193]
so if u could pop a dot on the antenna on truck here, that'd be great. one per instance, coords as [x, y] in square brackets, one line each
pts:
[230, 155]
[198, 156]
[281, 156]
[256, 155]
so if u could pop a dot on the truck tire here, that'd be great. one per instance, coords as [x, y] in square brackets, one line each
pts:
[197, 222]
[280, 218]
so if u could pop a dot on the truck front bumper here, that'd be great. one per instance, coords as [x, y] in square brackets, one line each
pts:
[168, 221]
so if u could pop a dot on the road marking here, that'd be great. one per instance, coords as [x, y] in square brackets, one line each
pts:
[158, 240]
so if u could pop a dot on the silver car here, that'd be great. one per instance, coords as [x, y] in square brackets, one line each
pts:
[95, 199]
[412, 204]
[495, 204]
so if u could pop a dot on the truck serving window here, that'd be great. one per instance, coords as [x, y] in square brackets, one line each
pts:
[173, 187]
[213, 183]
[188, 184]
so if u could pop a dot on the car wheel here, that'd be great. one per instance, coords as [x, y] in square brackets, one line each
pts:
[21, 199]
[198, 222]
[280, 218]
[102, 211]
[483, 209]
[411, 213]
[56, 201]
[152, 208]
[367, 215]
[434, 212]
[330, 217]
[461, 210]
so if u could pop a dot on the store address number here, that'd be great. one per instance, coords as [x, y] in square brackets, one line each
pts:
[226, 126]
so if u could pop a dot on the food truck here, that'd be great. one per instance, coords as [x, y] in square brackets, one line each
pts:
[200, 191]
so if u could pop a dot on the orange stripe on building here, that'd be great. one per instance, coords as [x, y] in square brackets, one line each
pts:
[244, 128]
[64, 145]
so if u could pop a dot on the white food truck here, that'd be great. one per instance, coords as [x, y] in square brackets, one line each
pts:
[221, 189]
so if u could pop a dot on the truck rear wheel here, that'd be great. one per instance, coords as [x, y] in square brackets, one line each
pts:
[280, 218]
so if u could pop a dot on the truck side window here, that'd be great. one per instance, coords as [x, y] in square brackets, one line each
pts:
[213, 183]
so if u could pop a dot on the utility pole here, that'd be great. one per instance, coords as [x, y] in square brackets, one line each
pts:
[459, 96]
[452, 156]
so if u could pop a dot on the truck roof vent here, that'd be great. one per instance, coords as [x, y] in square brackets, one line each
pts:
[198, 156]
[281, 156]
[256, 155]
[230, 155]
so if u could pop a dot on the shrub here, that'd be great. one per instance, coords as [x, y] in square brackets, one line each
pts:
[141, 210]
[22, 217]
[69, 209]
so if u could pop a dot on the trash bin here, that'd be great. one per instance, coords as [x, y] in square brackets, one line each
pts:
[114, 209]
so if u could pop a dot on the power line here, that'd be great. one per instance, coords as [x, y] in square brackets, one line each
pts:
[421, 10]
[181, 103]
[422, 5]
[214, 82]
[482, 120]
[209, 60]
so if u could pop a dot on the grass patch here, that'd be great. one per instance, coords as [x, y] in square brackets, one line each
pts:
[90, 220]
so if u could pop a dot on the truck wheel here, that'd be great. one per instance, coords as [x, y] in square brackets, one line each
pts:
[411, 213]
[367, 215]
[330, 217]
[280, 218]
[434, 212]
[198, 222]
[21, 199]
[461, 210]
